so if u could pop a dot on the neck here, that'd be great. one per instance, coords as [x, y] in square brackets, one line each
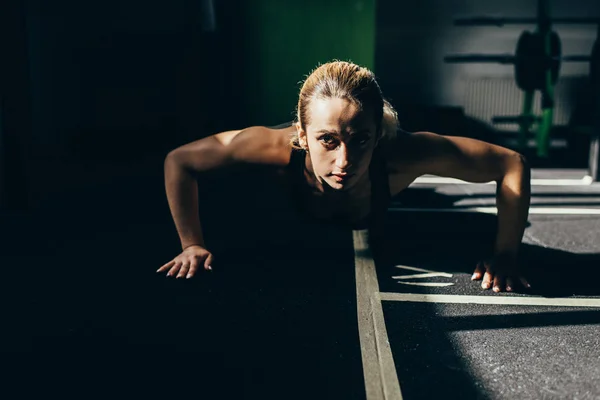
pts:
[321, 188]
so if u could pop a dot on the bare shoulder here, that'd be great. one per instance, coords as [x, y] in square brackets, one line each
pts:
[403, 152]
[253, 145]
[426, 152]
[258, 144]
[411, 155]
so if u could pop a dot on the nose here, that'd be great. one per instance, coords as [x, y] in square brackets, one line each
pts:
[342, 159]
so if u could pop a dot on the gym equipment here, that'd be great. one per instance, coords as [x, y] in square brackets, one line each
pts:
[501, 21]
[536, 63]
[530, 61]
[594, 156]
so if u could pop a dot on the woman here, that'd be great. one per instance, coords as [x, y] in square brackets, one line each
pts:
[346, 157]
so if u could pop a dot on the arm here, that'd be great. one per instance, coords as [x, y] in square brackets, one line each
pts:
[252, 145]
[479, 162]
[476, 161]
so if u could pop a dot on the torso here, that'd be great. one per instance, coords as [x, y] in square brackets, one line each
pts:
[351, 209]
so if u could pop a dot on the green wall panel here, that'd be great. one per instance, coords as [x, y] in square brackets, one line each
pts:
[284, 40]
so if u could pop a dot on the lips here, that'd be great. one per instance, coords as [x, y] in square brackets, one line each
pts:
[343, 176]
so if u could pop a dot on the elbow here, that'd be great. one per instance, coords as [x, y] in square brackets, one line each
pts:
[172, 155]
[170, 159]
[517, 161]
[176, 157]
[172, 163]
[523, 165]
[515, 165]
[522, 159]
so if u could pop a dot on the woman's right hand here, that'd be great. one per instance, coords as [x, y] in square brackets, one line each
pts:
[187, 263]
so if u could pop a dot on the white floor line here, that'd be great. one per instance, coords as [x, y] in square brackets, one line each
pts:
[410, 268]
[381, 379]
[584, 181]
[434, 273]
[492, 299]
[429, 275]
[494, 210]
[429, 284]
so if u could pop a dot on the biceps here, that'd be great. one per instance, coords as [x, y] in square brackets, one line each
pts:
[466, 159]
[252, 145]
[202, 155]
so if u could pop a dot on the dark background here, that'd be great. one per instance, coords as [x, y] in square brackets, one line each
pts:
[101, 86]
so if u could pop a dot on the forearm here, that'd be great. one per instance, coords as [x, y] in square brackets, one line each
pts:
[513, 195]
[182, 194]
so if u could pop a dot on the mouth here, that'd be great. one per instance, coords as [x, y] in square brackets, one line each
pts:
[342, 177]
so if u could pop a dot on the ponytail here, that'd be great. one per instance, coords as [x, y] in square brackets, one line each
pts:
[389, 122]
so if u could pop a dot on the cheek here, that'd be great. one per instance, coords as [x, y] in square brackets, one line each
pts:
[323, 160]
[364, 162]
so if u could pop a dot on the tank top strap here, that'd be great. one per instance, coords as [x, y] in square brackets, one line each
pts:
[380, 194]
[295, 171]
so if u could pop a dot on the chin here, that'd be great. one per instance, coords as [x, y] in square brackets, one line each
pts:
[340, 185]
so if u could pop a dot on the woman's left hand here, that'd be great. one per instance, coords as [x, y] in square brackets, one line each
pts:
[501, 273]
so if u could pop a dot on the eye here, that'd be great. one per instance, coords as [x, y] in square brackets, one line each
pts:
[327, 139]
[363, 139]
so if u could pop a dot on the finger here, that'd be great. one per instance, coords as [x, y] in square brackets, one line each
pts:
[525, 283]
[499, 283]
[488, 277]
[208, 262]
[166, 266]
[183, 271]
[174, 269]
[479, 271]
[510, 284]
[193, 268]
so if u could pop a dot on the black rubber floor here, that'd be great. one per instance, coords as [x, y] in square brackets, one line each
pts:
[85, 314]
[493, 351]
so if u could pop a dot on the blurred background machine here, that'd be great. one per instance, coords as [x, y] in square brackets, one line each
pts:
[537, 63]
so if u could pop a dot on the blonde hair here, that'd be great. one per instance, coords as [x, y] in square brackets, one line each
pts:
[346, 80]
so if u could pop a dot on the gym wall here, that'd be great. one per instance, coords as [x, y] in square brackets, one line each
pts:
[114, 83]
[285, 40]
[108, 75]
[412, 42]
[119, 82]
[15, 110]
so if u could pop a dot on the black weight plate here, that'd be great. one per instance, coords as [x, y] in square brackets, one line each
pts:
[525, 71]
[595, 77]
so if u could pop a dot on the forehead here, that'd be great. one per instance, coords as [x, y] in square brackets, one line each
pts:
[337, 114]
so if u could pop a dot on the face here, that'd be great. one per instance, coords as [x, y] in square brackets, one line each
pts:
[340, 140]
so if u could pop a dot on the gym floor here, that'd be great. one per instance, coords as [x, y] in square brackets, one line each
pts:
[277, 318]
[473, 343]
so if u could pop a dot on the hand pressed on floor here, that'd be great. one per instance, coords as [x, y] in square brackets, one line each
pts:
[501, 273]
[187, 263]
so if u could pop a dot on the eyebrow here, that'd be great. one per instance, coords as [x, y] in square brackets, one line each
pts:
[336, 133]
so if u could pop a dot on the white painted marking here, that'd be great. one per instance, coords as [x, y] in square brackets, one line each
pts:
[447, 275]
[431, 275]
[492, 299]
[381, 378]
[431, 284]
[494, 210]
[437, 180]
